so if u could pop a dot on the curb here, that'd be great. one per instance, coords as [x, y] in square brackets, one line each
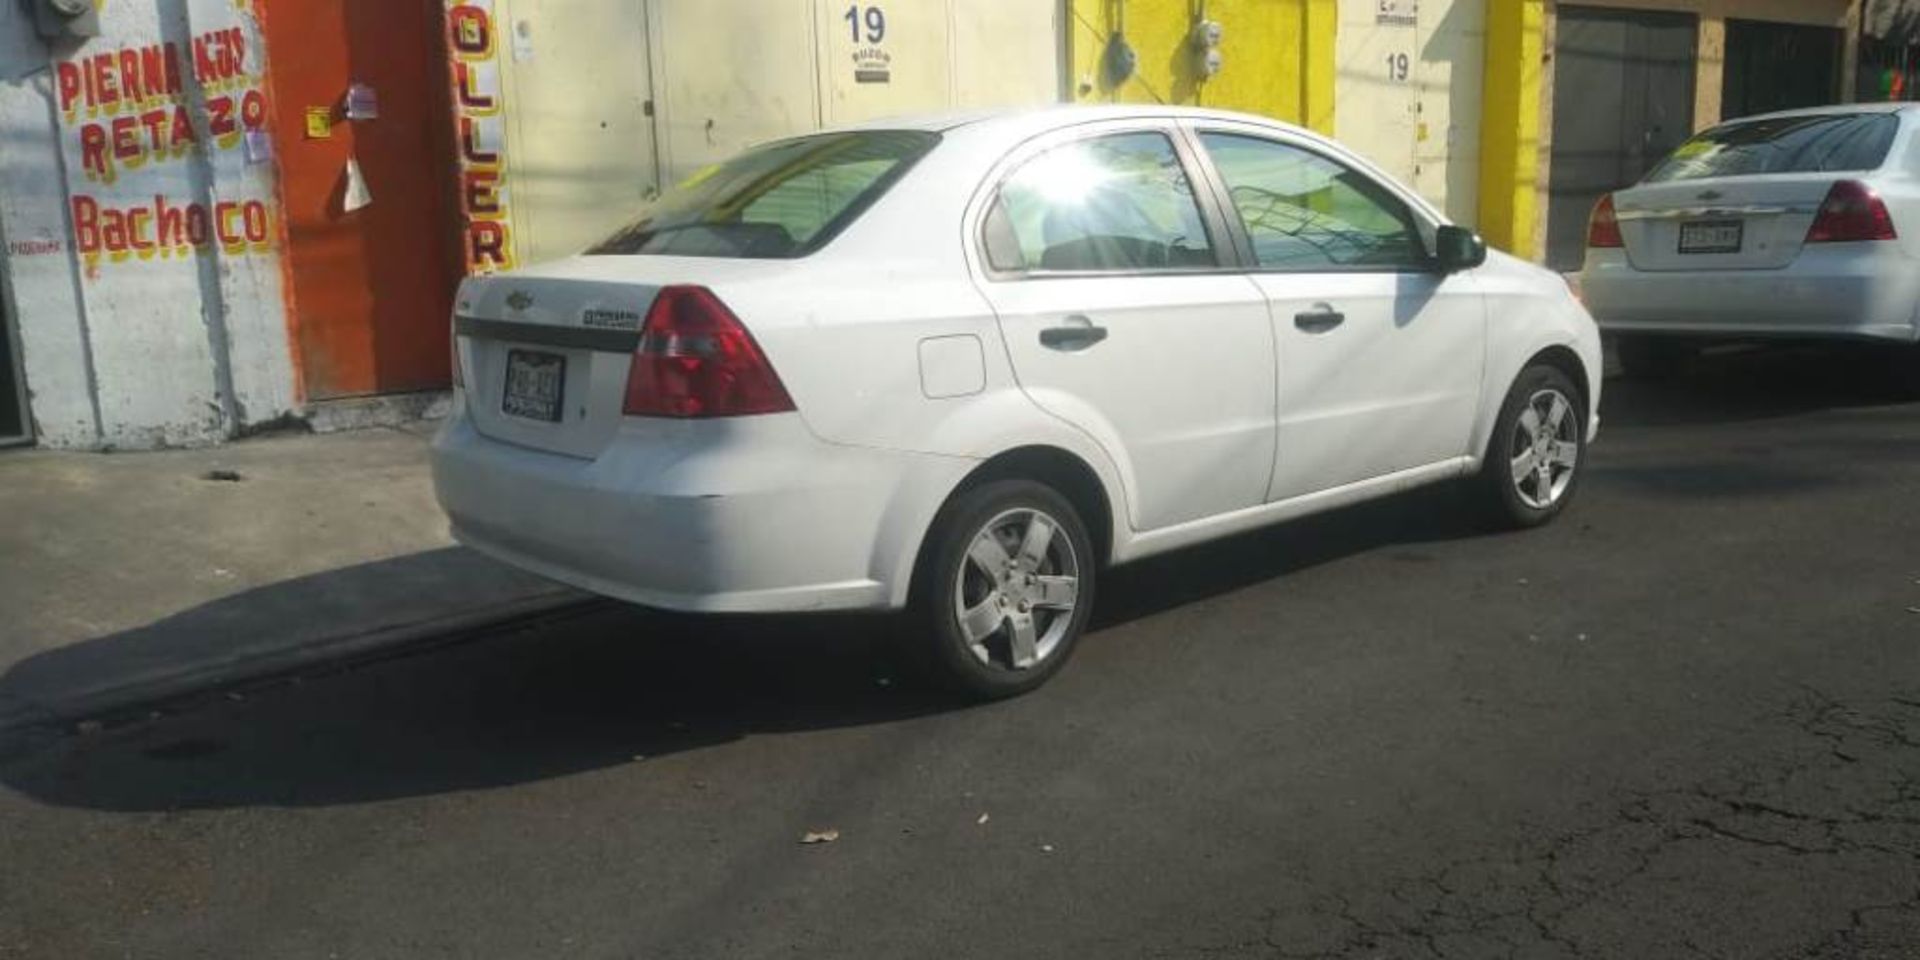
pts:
[19, 713]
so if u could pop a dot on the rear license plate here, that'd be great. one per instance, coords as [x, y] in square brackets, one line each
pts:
[536, 385]
[1711, 236]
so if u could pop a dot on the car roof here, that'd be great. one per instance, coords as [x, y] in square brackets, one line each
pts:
[1040, 118]
[1837, 109]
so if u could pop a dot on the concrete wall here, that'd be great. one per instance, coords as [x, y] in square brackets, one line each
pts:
[141, 225]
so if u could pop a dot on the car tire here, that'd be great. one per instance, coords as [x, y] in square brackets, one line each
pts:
[1538, 450]
[1655, 357]
[1005, 589]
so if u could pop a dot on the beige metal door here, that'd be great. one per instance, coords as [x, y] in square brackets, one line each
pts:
[1449, 73]
[1374, 93]
[731, 75]
[580, 152]
[1407, 93]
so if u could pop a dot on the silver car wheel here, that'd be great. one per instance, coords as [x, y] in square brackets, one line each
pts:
[1016, 593]
[1545, 449]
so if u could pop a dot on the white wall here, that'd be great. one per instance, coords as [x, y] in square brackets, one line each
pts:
[133, 335]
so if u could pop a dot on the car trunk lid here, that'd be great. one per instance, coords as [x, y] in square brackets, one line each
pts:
[1725, 223]
[546, 351]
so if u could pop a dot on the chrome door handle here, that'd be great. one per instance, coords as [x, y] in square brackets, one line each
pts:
[1074, 333]
[1320, 319]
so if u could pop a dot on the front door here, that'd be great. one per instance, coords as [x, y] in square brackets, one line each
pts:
[1622, 100]
[370, 259]
[1380, 358]
[1119, 318]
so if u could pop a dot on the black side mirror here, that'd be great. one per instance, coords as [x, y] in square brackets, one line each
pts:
[1457, 249]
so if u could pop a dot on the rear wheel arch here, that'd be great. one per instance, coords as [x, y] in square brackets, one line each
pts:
[1065, 472]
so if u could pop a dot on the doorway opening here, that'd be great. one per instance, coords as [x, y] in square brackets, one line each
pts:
[1623, 89]
[1779, 66]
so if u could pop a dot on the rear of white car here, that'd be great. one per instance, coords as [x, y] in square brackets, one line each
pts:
[1800, 224]
[622, 427]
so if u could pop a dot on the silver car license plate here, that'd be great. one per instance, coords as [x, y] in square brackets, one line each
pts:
[1711, 236]
[536, 385]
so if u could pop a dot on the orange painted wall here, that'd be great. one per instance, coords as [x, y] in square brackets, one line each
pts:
[370, 290]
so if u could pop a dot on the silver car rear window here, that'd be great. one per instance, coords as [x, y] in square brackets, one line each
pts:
[1817, 143]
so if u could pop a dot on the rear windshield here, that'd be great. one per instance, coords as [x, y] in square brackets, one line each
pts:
[778, 201]
[1809, 144]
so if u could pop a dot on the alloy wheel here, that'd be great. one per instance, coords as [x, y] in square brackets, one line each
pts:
[1016, 592]
[1545, 449]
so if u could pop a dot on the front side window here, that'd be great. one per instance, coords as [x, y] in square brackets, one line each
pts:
[1817, 143]
[1117, 203]
[1306, 212]
[782, 200]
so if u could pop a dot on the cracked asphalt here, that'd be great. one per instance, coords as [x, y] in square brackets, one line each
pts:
[1682, 722]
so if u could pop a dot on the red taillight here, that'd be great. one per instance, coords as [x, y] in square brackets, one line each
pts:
[1852, 212]
[696, 360]
[1603, 227]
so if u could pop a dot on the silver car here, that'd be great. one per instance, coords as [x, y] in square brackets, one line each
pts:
[1804, 223]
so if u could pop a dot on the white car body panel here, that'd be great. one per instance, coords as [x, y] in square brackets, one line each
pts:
[827, 507]
[1777, 285]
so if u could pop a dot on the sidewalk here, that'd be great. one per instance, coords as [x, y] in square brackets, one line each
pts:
[134, 576]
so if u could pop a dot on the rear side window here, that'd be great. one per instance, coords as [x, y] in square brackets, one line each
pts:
[781, 200]
[1821, 143]
[1118, 203]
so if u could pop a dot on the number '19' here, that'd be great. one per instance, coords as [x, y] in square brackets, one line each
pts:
[875, 19]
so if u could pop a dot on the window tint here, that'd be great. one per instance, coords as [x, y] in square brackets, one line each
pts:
[1112, 203]
[1810, 144]
[1306, 212]
[785, 199]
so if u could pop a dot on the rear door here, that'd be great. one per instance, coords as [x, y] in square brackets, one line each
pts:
[1742, 195]
[1380, 358]
[1123, 315]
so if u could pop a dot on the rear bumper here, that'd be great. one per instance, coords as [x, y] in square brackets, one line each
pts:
[753, 515]
[1837, 291]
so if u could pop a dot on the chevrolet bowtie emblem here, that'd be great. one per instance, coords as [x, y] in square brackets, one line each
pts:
[519, 300]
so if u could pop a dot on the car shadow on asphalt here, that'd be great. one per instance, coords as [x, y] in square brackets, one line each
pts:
[605, 687]
[1749, 382]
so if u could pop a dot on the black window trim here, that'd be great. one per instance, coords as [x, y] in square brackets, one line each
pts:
[1243, 238]
[1227, 253]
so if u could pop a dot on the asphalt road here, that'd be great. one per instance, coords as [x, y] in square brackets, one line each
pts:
[1683, 722]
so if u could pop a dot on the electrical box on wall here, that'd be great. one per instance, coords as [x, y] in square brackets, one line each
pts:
[65, 18]
[1206, 47]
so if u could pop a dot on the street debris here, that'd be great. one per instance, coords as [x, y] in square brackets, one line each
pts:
[1046, 848]
[820, 836]
[222, 476]
[87, 726]
[983, 819]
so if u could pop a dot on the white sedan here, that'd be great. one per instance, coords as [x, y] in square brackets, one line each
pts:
[1804, 223]
[961, 365]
